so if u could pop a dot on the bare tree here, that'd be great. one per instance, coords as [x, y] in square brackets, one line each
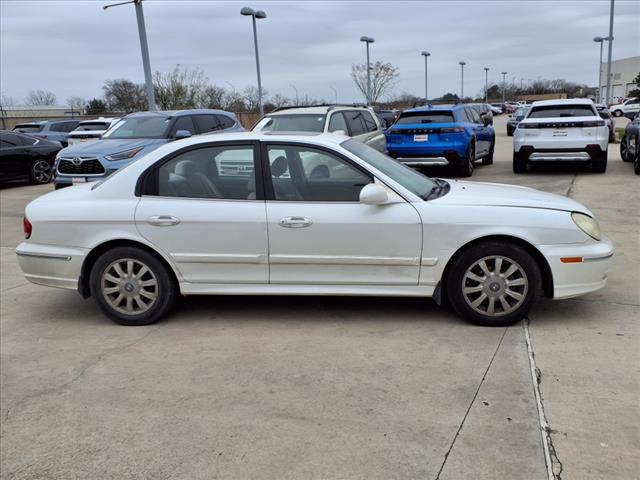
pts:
[252, 99]
[7, 100]
[279, 101]
[40, 97]
[125, 96]
[234, 102]
[384, 77]
[212, 97]
[179, 88]
[77, 103]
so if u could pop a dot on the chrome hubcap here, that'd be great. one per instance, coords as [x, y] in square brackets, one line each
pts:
[129, 286]
[495, 286]
[42, 171]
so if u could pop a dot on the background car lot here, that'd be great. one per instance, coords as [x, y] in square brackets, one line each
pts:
[350, 388]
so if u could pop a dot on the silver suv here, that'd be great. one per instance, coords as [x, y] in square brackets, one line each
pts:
[358, 122]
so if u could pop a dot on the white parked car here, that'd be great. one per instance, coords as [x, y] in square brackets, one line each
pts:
[360, 123]
[631, 105]
[561, 131]
[90, 130]
[308, 215]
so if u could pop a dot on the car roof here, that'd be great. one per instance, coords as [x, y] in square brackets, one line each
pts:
[329, 139]
[439, 108]
[178, 113]
[562, 101]
[316, 109]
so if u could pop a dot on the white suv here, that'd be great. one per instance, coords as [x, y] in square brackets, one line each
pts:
[90, 130]
[360, 123]
[631, 105]
[561, 130]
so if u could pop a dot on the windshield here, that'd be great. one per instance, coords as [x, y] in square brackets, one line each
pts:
[292, 123]
[139, 127]
[413, 181]
[561, 111]
[425, 117]
[86, 127]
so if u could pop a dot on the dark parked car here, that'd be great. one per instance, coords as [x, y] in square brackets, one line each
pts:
[387, 117]
[484, 110]
[56, 130]
[630, 143]
[23, 157]
[516, 118]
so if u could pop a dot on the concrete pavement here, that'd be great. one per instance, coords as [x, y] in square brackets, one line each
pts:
[331, 388]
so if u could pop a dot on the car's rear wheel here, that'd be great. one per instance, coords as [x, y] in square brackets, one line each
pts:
[488, 159]
[40, 172]
[624, 150]
[599, 165]
[519, 164]
[617, 113]
[132, 286]
[465, 169]
[493, 284]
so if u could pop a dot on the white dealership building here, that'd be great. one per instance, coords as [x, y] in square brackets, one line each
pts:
[623, 71]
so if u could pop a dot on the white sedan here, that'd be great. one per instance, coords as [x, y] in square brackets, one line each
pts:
[288, 214]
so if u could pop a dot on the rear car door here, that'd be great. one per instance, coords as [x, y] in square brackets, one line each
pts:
[14, 157]
[206, 123]
[201, 207]
[481, 132]
[320, 233]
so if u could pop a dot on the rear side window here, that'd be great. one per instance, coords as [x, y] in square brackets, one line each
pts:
[551, 111]
[63, 126]
[355, 122]
[9, 140]
[207, 123]
[225, 122]
[369, 122]
[425, 117]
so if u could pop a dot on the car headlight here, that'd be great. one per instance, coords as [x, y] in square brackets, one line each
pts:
[587, 224]
[124, 155]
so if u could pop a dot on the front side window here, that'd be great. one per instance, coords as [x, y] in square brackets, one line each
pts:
[225, 172]
[139, 127]
[9, 140]
[292, 123]
[555, 111]
[369, 122]
[300, 173]
[356, 123]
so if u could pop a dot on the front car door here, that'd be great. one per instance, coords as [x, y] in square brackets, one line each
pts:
[482, 132]
[14, 157]
[202, 209]
[319, 232]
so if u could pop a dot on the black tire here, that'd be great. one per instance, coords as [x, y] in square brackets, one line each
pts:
[165, 288]
[465, 169]
[40, 172]
[612, 136]
[519, 165]
[617, 113]
[636, 165]
[509, 134]
[624, 150]
[488, 159]
[599, 165]
[527, 273]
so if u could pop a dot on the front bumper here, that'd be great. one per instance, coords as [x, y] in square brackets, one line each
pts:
[51, 265]
[574, 278]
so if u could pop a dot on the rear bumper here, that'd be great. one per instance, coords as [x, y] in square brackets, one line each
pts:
[530, 153]
[577, 278]
[437, 155]
[50, 265]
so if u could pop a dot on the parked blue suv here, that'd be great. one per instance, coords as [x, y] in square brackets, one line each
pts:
[454, 135]
[132, 137]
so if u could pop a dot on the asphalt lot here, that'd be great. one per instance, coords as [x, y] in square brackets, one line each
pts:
[327, 388]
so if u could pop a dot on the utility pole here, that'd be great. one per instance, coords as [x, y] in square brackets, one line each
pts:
[504, 79]
[486, 84]
[609, 55]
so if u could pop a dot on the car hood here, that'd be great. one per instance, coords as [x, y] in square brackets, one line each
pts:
[110, 146]
[502, 195]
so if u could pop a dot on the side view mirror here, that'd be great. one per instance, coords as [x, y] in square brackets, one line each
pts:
[373, 194]
[182, 134]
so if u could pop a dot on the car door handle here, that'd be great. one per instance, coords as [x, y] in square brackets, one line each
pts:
[163, 220]
[295, 222]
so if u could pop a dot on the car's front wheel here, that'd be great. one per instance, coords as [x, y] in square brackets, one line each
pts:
[493, 284]
[132, 286]
[617, 113]
[624, 150]
[40, 172]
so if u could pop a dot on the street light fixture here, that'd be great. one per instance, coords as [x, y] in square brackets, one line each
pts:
[504, 80]
[600, 40]
[462, 64]
[426, 55]
[335, 92]
[486, 84]
[368, 40]
[249, 12]
[144, 47]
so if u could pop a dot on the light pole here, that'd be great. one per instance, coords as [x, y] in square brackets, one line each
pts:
[144, 47]
[246, 11]
[296, 90]
[462, 64]
[368, 40]
[504, 79]
[486, 84]
[600, 40]
[426, 55]
[609, 55]
[335, 92]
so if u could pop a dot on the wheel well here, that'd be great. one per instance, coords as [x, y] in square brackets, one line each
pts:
[543, 265]
[90, 260]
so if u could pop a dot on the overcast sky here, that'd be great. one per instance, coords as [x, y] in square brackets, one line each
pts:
[72, 47]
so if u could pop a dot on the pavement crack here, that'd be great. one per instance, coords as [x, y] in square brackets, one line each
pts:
[551, 460]
[466, 414]
[571, 185]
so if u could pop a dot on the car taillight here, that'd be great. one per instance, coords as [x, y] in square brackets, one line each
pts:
[452, 130]
[27, 227]
[597, 123]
